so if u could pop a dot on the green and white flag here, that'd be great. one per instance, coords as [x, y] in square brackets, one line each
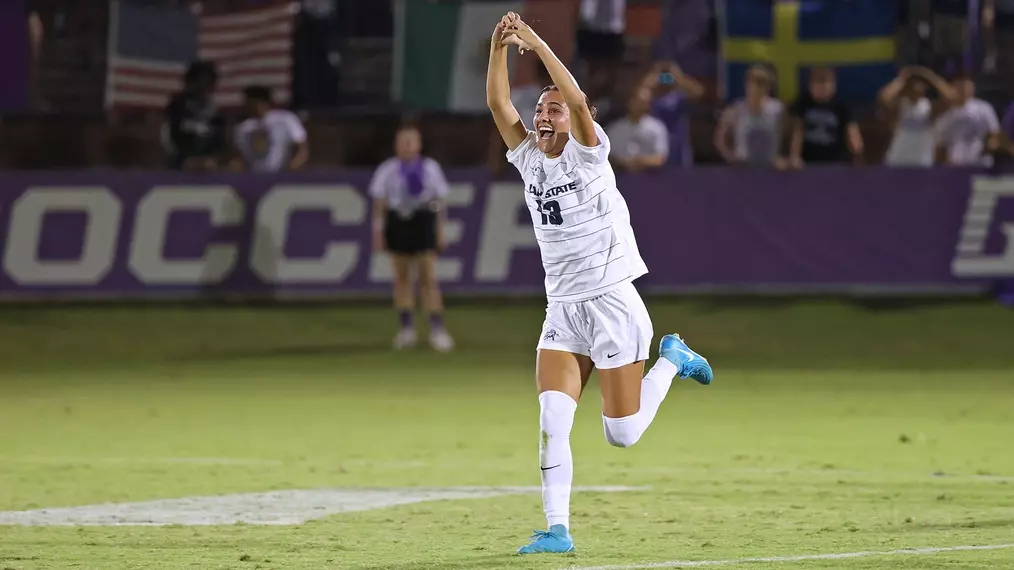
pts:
[441, 52]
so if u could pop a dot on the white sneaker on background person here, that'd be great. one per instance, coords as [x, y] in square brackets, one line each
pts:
[441, 341]
[406, 338]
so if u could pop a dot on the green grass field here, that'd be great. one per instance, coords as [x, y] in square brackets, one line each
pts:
[831, 428]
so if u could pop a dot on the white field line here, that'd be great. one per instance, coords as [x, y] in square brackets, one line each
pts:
[788, 559]
[270, 508]
[240, 461]
[417, 464]
[823, 472]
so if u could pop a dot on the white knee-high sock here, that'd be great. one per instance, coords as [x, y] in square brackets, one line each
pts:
[626, 431]
[556, 419]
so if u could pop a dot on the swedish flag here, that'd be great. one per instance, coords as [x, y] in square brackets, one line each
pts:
[855, 37]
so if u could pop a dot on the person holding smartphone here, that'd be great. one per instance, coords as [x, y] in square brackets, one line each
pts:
[672, 93]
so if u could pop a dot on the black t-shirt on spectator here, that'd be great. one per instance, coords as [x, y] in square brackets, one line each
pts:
[196, 128]
[824, 129]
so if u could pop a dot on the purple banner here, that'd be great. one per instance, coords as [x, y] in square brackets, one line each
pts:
[129, 235]
[13, 56]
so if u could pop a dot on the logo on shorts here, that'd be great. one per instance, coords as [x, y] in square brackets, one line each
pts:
[550, 335]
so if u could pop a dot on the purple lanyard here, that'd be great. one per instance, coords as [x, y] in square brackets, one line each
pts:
[412, 174]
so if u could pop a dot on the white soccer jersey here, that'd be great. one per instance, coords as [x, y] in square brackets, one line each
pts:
[581, 221]
[266, 143]
[389, 183]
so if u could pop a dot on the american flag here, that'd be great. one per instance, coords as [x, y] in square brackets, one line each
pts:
[150, 48]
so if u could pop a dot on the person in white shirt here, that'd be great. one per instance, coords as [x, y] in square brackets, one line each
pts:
[962, 132]
[408, 193]
[639, 141]
[911, 114]
[270, 139]
[753, 125]
[595, 317]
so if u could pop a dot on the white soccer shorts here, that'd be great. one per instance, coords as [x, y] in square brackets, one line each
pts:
[613, 329]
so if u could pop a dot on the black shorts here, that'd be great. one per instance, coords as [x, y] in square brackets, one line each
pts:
[415, 234]
[599, 46]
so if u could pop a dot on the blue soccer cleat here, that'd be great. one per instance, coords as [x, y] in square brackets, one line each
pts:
[692, 365]
[555, 540]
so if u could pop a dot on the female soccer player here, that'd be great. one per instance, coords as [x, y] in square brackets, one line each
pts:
[408, 194]
[595, 317]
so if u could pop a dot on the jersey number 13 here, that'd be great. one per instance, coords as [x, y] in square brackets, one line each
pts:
[550, 212]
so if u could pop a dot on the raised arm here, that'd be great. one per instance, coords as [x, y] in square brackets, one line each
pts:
[942, 135]
[796, 143]
[582, 125]
[889, 94]
[690, 87]
[722, 132]
[947, 93]
[855, 137]
[498, 91]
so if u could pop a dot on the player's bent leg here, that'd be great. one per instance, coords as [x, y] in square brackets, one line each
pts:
[627, 403]
[404, 300]
[429, 292]
[622, 335]
[560, 377]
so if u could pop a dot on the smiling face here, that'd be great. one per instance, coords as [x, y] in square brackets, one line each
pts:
[552, 123]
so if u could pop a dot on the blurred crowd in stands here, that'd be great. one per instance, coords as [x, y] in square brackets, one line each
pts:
[661, 107]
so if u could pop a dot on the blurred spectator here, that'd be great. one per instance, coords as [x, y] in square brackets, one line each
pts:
[270, 139]
[823, 129]
[963, 130]
[672, 93]
[753, 124]
[600, 45]
[638, 141]
[194, 129]
[911, 115]
[408, 194]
